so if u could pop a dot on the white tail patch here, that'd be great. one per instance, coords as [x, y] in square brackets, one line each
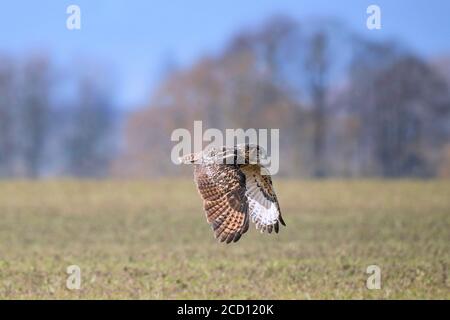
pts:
[263, 212]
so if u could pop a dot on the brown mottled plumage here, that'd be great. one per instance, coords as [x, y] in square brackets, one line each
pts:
[234, 191]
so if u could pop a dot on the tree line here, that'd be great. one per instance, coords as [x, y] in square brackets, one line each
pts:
[53, 122]
[345, 105]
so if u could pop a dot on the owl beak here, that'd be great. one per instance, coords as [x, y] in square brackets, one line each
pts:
[185, 159]
[188, 159]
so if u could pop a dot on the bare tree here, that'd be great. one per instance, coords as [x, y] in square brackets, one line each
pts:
[34, 107]
[358, 99]
[317, 65]
[411, 102]
[7, 100]
[88, 146]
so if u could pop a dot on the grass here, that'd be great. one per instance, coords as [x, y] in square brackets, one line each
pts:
[150, 240]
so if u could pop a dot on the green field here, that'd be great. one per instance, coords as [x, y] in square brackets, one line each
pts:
[150, 240]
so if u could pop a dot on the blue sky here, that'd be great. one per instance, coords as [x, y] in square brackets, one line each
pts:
[134, 37]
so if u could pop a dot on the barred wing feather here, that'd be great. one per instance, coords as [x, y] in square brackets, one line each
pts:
[233, 195]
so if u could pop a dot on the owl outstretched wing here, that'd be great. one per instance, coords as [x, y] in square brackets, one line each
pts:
[223, 189]
[232, 195]
[264, 209]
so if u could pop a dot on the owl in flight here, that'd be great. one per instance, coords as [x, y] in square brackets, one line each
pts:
[235, 188]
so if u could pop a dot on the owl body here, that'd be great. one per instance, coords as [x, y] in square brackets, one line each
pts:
[235, 189]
